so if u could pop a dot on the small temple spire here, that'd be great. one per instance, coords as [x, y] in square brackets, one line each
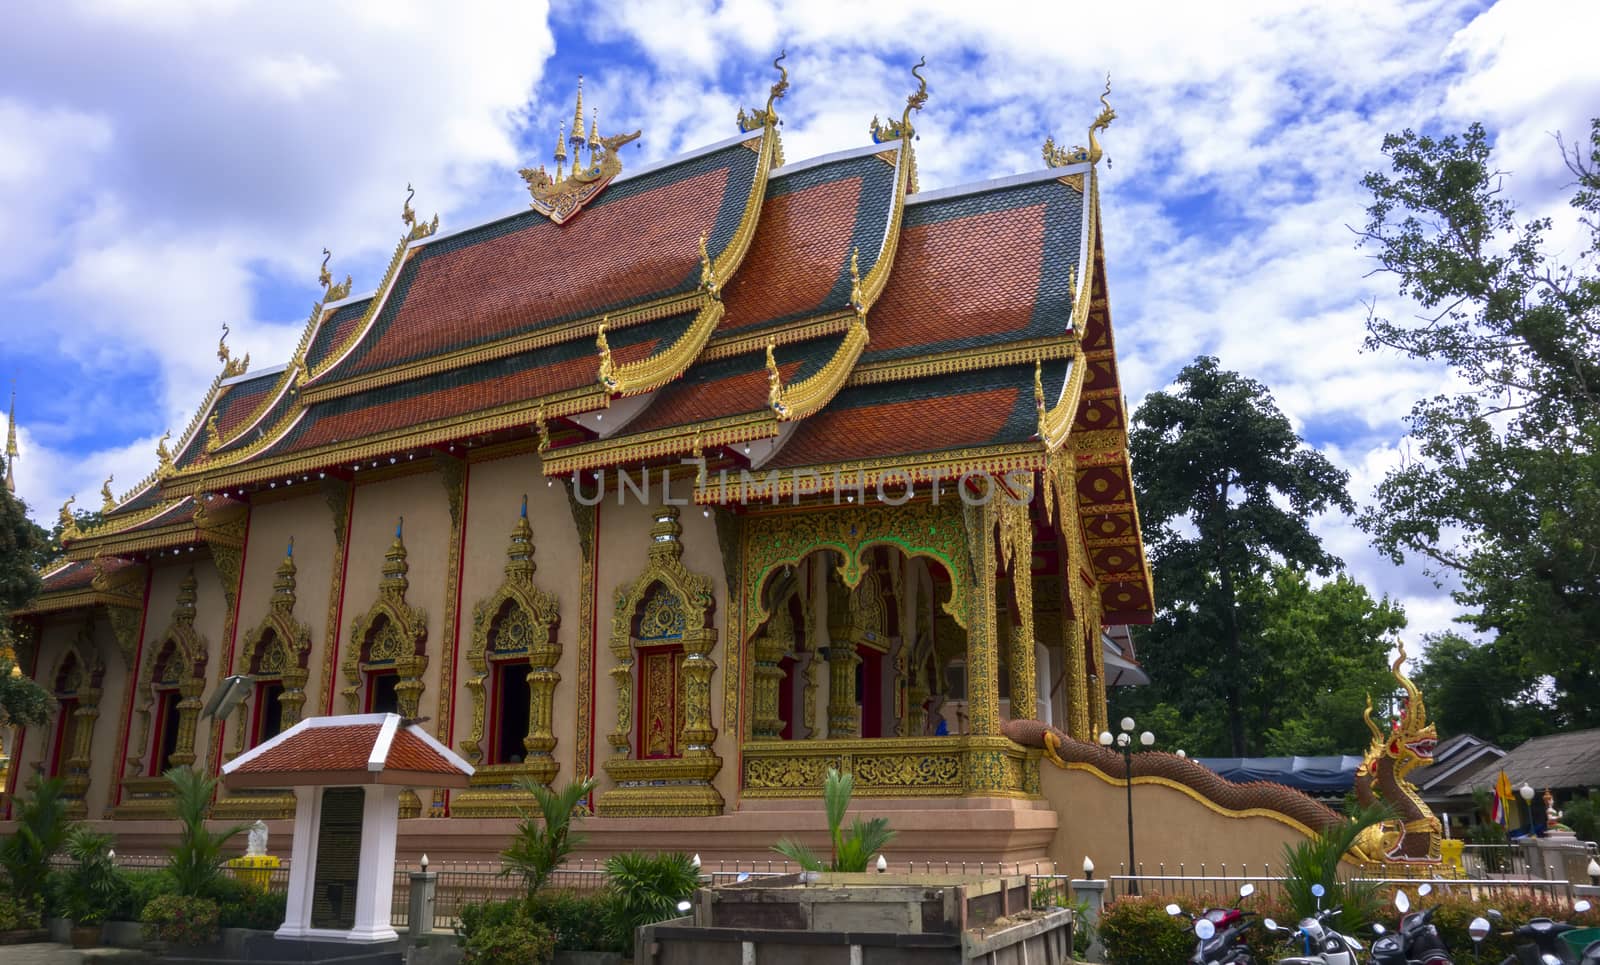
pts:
[577, 116]
[11, 443]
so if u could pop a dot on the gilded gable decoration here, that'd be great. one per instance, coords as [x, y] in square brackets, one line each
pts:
[108, 502]
[389, 636]
[515, 623]
[662, 638]
[561, 195]
[177, 660]
[341, 291]
[69, 522]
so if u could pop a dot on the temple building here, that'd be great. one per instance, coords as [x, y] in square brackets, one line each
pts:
[698, 480]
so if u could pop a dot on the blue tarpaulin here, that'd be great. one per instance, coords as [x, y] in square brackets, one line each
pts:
[1314, 775]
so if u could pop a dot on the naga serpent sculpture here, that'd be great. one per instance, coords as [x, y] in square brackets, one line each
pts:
[1061, 750]
[1414, 835]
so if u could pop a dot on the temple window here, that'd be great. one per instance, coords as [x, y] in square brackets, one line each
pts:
[658, 639]
[66, 692]
[512, 681]
[275, 654]
[168, 725]
[661, 647]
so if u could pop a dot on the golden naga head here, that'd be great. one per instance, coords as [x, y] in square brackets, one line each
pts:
[1411, 739]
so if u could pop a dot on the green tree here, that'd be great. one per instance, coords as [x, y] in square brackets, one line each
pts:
[1322, 650]
[1504, 492]
[1487, 690]
[1226, 492]
[22, 549]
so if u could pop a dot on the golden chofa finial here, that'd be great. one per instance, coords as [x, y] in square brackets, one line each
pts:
[1058, 157]
[1101, 122]
[230, 365]
[67, 521]
[892, 130]
[416, 230]
[760, 117]
[108, 502]
[164, 466]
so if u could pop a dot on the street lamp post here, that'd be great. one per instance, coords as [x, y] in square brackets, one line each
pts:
[1124, 742]
[1527, 804]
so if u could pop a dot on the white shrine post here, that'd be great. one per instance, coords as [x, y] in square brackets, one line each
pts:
[372, 753]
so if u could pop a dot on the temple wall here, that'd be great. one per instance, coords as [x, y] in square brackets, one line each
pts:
[308, 521]
[1171, 828]
[211, 615]
[494, 497]
[420, 498]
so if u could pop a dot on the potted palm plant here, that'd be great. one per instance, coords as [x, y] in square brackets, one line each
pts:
[853, 849]
[91, 886]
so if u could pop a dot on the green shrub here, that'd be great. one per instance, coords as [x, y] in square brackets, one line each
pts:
[138, 888]
[180, 920]
[1138, 931]
[42, 828]
[502, 933]
[241, 906]
[646, 888]
[571, 919]
[1582, 815]
[1455, 913]
[16, 914]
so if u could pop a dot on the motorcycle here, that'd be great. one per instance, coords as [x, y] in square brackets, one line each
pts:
[1320, 944]
[1415, 940]
[1219, 933]
[1545, 935]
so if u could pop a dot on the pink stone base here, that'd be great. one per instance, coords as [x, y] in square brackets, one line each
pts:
[952, 830]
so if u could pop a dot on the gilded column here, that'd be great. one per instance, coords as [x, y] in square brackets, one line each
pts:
[293, 698]
[983, 691]
[769, 649]
[190, 688]
[697, 670]
[340, 497]
[1016, 534]
[843, 713]
[76, 787]
[542, 680]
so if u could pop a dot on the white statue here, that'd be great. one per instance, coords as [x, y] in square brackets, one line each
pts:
[256, 847]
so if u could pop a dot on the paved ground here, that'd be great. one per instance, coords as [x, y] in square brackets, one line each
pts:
[51, 954]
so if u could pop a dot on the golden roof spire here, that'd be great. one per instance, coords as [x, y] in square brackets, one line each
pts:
[561, 147]
[11, 442]
[594, 129]
[577, 116]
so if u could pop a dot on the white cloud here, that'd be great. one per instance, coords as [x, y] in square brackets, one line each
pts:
[168, 163]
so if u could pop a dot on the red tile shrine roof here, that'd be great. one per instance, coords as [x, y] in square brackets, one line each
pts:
[346, 750]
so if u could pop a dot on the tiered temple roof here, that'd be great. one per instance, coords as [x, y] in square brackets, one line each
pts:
[817, 314]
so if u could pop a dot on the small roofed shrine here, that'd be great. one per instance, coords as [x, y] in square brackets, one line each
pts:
[347, 774]
[697, 478]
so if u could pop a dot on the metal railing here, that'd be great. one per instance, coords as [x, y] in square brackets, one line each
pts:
[1223, 890]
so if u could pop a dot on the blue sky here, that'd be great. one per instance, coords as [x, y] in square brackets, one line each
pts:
[167, 167]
